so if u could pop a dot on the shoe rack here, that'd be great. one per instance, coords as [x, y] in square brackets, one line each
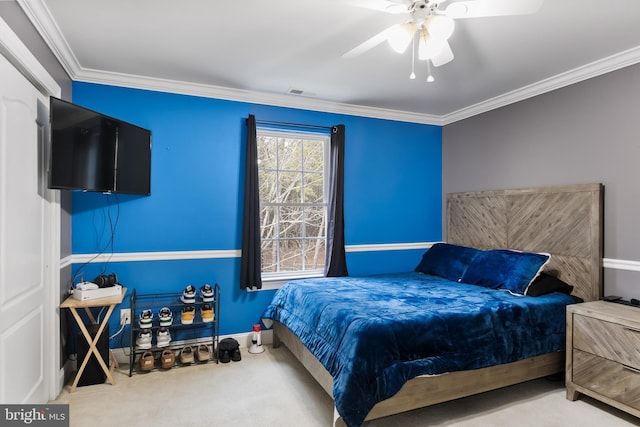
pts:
[197, 335]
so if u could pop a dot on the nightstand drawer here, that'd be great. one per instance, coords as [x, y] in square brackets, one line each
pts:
[611, 341]
[607, 378]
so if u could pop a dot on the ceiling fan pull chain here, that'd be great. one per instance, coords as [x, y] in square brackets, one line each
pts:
[413, 59]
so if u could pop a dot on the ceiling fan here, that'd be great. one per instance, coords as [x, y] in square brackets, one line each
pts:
[432, 25]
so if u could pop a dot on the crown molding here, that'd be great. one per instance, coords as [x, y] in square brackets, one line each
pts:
[40, 16]
[254, 97]
[585, 72]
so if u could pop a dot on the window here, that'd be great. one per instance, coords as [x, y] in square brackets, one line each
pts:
[293, 206]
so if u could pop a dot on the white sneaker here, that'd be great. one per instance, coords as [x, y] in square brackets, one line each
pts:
[188, 295]
[146, 319]
[165, 316]
[206, 293]
[164, 337]
[143, 341]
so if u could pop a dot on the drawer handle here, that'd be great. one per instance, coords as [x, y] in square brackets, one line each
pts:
[629, 368]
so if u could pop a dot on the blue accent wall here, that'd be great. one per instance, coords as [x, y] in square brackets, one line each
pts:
[393, 194]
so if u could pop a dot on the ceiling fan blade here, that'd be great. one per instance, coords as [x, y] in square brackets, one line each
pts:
[444, 56]
[369, 44]
[481, 8]
[388, 6]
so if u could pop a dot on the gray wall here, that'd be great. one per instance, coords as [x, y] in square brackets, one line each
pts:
[13, 15]
[587, 132]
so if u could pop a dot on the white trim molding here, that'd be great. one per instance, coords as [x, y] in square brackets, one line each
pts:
[388, 247]
[154, 256]
[593, 69]
[621, 264]
[213, 254]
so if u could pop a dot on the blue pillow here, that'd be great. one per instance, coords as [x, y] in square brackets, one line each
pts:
[501, 268]
[447, 260]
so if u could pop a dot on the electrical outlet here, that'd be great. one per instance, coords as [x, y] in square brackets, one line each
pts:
[125, 316]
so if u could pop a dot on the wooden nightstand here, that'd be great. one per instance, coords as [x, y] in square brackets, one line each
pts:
[603, 354]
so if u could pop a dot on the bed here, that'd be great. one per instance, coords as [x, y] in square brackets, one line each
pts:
[378, 349]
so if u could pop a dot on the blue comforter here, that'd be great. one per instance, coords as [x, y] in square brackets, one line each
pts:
[375, 333]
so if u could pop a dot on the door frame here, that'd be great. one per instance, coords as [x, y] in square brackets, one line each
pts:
[12, 48]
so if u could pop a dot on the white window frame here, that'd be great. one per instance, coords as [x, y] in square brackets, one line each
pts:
[273, 280]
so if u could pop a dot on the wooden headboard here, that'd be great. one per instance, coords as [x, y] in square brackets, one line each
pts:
[565, 221]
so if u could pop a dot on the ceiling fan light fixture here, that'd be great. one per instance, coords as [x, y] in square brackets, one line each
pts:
[440, 27]
[428, 47]
[400, 36]
[457, 10]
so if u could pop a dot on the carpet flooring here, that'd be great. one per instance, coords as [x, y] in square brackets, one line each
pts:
[273, 390]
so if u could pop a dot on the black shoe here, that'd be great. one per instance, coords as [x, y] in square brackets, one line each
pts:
[224, 356]
[235, 355]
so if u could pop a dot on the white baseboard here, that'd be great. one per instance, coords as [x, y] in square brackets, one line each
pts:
[244, 339]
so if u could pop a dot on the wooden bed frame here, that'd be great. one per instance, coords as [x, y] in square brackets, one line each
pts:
[563, 221]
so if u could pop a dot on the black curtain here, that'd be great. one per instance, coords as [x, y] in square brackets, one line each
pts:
[335, 262]
[250, 261]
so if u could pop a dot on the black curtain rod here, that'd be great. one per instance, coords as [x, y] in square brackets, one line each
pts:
[298, 125]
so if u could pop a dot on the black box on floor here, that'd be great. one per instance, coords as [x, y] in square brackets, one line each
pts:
[93, 373]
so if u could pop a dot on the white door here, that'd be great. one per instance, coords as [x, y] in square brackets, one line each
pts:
[25, 312]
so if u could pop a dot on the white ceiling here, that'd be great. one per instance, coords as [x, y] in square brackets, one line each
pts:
[258, 50]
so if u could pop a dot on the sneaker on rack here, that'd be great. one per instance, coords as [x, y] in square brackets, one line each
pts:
[188, 313]
[189, 295]
[207, 313]
[146, 319]
[165, 316]
[143, 341]
[147, 361]
[203, 354]
[186, 355]
[206, 293]
[164, 337]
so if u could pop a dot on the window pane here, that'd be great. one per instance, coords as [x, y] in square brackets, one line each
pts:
[268, 187]
[269, 256]
[290, 187]
[268, 222]
[314, 155]
[291, 255]
[314, 254]
[315, 222]
[313, 188]
[291, 222]
[289, 154]
[267, 150]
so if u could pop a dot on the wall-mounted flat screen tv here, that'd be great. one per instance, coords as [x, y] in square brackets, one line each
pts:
[94, 152]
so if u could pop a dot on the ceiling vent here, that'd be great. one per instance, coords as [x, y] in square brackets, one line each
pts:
[294, 91]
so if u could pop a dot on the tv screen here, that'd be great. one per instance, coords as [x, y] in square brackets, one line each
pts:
[94, 152]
